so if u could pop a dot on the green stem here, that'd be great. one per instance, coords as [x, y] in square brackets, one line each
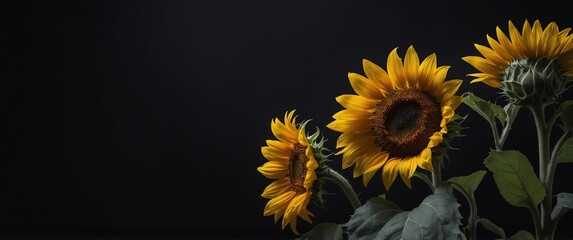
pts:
[473, 218]
[346, 187]
[496, 140]
[436, 174]
[545, 170]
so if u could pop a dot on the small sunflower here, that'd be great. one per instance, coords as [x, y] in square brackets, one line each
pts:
[534, 64]
[292, 163]
[397, 118]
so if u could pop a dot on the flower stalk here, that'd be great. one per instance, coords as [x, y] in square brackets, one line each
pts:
[346, 187]
[546, 171]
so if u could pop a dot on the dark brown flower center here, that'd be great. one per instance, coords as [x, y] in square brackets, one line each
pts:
[297, 168]
[404, 123]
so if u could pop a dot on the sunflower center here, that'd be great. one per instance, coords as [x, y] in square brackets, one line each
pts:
[297, 168]
[404, 123]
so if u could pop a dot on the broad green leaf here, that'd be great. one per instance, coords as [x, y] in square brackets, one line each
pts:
[367, 210]
[515, 179]
[470, 182]
[487, 224]
[566, 114]
[489, 111]
[381, 225]
[563, 205]
[522, 235]
[566, 154]
[324, 231]
[437, 217]
[393, 228]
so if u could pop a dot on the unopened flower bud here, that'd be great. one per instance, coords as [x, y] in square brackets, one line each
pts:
[533, 81]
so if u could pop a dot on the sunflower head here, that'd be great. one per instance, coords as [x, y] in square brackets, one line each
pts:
[397, 118]
[534, 66]
[296, 163]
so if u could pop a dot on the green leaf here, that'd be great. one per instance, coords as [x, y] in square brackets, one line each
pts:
[515, 179]
[566, 154]
[522, 235]
[381, 225]
[489, 111]
[566, 114]
[563, 205]
[487, 224]
[437, 217]
[470, 182]
[367, 210]
[324, 231]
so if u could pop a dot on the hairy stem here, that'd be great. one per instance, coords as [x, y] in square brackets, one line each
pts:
[545, 170]
[436, 174]
[346, 187]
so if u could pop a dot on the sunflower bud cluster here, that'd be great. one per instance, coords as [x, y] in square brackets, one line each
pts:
[533, 81]
[321, 156]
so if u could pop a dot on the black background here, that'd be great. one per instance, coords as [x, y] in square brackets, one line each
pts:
[146, 118]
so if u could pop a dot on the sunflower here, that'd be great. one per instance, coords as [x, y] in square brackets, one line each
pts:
[518, 62]
[292, 164]
[397, 118]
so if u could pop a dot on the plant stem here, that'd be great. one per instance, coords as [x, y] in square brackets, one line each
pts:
[436, 174]
[545, 170]
[498, 145]
[473, 218]
[346, 187]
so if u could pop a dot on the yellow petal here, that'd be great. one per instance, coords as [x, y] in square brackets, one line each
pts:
[377, 162]
[364, 87]
[499, 49]
[404, 168]
[448, 89]
[505, 42]
[426, 71]
[411, 65]
[437, 80]
[396, 70]
[426, 160]
[274, 169]
[390, 172]
[517, 41]
[378, 76]
[353, 115]
[491, 55]
[278, 205]
[435, 140]
[453, 101]
[483, 65]
[282, 132]
[275, 154]
[276, 188]
[345, 126]
[350, 101]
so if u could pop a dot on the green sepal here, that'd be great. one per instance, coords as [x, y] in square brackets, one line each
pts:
[515, 179]
[454, 127]
[324, 231]
[321, 154]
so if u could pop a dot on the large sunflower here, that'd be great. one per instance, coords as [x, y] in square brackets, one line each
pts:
[533, 42]
[397, 117]
[292, 164]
